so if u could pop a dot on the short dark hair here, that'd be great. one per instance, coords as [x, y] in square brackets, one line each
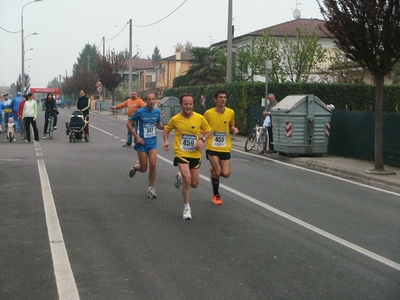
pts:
[30, 95]
[217, 92]
[5, 94]
[147, 93]
[185, 95]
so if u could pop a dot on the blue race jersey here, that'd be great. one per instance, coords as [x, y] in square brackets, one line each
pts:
[146, 121]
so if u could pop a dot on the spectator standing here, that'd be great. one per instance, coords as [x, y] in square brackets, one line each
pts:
[20, 112]
[191, 133]
[1, 115]
[29, 117]
[133, 104]
[83, 105]
[268, 121]
[16, 102]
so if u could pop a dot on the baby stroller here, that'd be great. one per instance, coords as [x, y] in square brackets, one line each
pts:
[76, 127]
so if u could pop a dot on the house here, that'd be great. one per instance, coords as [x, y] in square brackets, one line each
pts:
[168, 68]
[286, 29]
[142, 70]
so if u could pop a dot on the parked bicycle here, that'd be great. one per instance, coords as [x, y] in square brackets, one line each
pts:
[258, 136]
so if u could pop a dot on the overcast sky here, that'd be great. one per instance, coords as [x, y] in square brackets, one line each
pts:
[65, 26]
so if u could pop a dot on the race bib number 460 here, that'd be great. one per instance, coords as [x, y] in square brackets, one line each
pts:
[219, 139]
[188, 142]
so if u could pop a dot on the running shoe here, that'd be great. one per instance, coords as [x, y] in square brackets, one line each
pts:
[187, 214]
[44, 136]
[55, 127]
[217, 200]
[151, 192]
[178, 180]
[132, 171]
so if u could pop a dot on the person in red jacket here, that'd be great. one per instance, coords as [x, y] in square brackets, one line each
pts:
[19, 115]
[133, 104]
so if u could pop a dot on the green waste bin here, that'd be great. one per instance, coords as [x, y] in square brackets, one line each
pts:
[301, 125]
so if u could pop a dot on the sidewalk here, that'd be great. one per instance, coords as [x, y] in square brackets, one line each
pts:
[353, 169]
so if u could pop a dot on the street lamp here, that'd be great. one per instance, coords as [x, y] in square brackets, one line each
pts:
[23, 46]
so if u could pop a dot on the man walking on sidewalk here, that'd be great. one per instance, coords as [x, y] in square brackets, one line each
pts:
[133, 104]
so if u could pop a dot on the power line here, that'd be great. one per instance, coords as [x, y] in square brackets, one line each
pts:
[10, 31]
[162, 18]
[118, 32]
[148, 25]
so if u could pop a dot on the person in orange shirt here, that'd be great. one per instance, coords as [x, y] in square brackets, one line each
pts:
[133, 104]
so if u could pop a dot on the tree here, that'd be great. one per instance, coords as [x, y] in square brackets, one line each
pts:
[110, 69]
[207, 67]
[87, 59]
[156, 54]
[55, 83]
[340, 69]
[293, 60]
[84, 80]
[184, 47]
[69, 86]
[13, 89]
[27, 83]
[368, 32]
[252, 58]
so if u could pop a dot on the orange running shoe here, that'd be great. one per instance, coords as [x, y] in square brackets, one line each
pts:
[217, 200]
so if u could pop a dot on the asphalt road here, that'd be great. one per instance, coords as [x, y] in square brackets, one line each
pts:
[75, 226]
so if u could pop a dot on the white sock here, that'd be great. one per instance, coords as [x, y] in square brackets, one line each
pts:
[186, 205]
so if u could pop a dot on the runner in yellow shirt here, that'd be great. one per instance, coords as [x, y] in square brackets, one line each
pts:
[191, 133]
[218, 148]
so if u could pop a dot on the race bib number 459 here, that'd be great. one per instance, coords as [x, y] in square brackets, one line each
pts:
[188, 142]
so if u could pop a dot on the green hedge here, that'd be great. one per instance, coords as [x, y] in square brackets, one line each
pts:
[353, 97]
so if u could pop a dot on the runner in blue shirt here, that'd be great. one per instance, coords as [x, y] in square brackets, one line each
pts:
[146, 120]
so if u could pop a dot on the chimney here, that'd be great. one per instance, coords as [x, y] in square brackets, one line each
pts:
[178, 62]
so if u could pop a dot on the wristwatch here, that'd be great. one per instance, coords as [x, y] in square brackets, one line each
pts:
[204, 139]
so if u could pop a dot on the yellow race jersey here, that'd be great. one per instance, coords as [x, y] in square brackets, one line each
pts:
[220, 124]
[187, 132]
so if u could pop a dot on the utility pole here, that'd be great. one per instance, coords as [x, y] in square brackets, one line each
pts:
[104, 55]
[229, 45]
[130, 56]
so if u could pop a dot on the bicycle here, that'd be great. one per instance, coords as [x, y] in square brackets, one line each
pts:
[50, 128]
[259, 137]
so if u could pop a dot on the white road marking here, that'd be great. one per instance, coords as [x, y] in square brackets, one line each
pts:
[304, 224]
[317, 172]
[300, 222]
[65, 280]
